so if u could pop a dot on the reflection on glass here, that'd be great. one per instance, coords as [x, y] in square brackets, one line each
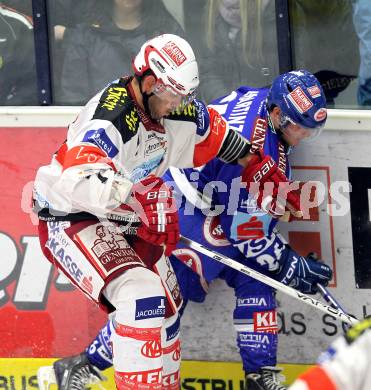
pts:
[90, 52]
[325, 43]
[17, 58]
[236, 44]
[362, 25]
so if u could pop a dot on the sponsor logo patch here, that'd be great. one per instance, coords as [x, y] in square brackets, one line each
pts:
[151, 349]
[100, 138]
[252, 301]
[132, 120]
[300, 100]
[174, 52]
[112, 249]
[320, 115]
[243, 225]
[171, 380]
[265, 321]
[258, 135]
[59, 252]
[253, 340]
[114, 96]
[177, 353]
[203, 118]
[145, 168]
[214, 233]
[153, 146]
[166, 272]
[173, 330]
[150, 308]
[314, 91]
[132, 378]
[173, 349]
[251, 229]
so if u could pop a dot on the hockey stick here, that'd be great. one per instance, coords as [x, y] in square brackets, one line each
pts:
[332, 301]
[270, 282]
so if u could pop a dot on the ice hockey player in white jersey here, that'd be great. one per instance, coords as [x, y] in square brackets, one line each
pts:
[252, 229]
[107, 175]
[346, 365]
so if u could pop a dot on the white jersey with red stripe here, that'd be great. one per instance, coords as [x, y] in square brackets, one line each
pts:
[345, 366]
[113, 143]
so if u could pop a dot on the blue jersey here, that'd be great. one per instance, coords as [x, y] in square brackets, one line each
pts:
[227, 220]
[246, 226]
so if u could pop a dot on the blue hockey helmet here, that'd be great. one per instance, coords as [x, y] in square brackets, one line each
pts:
[300, 97]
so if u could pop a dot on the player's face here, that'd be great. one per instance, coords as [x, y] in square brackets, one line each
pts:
[127, 4]
[161, 107]
[293, 134]
[168, 100]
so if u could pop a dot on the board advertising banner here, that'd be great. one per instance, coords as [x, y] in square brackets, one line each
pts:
[41, 314]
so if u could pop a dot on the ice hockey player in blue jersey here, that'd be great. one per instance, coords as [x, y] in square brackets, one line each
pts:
[218, 212]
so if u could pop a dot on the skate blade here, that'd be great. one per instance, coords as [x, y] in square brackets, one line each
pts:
[46, 377]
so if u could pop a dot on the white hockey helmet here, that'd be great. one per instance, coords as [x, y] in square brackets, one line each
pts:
[172, 61]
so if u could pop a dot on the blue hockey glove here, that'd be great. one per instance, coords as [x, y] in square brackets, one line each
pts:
[302, 273]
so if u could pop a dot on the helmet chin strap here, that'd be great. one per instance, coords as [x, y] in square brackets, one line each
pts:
[280, 133]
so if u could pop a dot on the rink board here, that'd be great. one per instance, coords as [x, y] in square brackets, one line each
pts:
[196, 375]
[49, 318]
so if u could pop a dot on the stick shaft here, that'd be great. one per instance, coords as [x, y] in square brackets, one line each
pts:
[269, 281]
[330, 298]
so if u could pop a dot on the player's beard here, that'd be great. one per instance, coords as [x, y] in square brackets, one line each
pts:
[156, 108]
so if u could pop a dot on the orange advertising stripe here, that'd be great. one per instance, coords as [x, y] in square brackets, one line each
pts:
[142, 334]
[172, 381]
[79, 155]
[139, 380]
[171, 348]
[197, 375]
[317, 379]
[209, 147]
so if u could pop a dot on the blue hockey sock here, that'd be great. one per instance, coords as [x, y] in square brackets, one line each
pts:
[99, 351]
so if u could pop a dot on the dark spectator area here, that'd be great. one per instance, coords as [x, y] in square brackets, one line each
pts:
[92, 42]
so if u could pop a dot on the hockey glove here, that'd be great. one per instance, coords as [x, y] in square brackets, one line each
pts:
[153, 201]
[271, 197]
[302, 273]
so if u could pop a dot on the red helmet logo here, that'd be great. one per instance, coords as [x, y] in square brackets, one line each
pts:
[320, 114]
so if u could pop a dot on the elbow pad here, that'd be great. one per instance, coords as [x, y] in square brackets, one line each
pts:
[97, 193]
[234, 147]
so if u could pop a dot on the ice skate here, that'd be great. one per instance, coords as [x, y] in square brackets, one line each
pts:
[71, 373]
[267, 378]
